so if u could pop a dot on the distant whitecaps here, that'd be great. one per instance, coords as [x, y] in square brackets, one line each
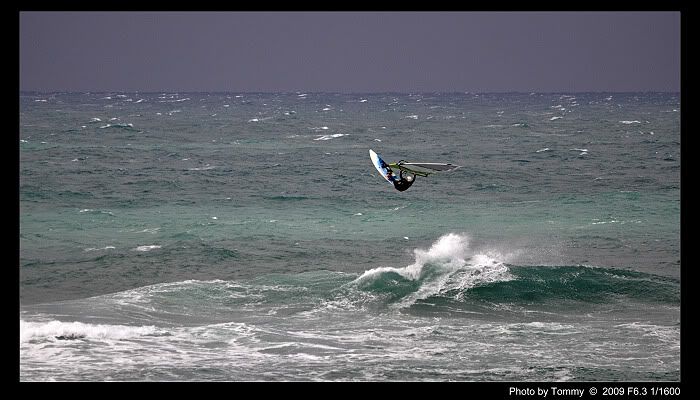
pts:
[329, 137]
[541, 150]
[554, 118]
[128, 126]
[630, 122]
[412, 116]
[147, 248]
[101, 248]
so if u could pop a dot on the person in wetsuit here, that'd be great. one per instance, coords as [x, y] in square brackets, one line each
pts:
[401, 182]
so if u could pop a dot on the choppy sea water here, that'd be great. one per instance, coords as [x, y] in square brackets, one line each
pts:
[238, 236]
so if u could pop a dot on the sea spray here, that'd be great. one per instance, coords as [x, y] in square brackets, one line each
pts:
[448, 265]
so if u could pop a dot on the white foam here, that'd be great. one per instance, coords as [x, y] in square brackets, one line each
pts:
[412, 116]
[630, 122]
[102, 248]
[554, 118]
[460, 269]
[363, 101]
[541, 150]
[147, 247]
[79, 330]
[329, 137]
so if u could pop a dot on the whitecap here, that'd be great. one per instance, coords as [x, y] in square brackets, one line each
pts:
[459, 268]
[412, 116]
[329, 137]
[541, 150]
[630, 122]
[101, 248]
[554, 118]
[147, 247]
[78, 330]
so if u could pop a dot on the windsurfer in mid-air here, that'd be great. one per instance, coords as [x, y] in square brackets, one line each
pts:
[401, 182]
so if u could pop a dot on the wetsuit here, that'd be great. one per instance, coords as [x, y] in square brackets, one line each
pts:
[401, 183]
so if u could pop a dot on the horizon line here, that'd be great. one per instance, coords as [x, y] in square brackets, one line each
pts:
[346, 92]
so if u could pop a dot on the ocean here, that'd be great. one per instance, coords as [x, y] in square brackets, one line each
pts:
[248, 237]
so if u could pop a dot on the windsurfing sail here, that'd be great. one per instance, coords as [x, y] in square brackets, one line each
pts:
[423, 169]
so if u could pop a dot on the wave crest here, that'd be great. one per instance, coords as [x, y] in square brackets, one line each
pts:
[448, 267]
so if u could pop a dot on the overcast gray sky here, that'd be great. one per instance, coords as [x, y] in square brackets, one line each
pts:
[350, 51]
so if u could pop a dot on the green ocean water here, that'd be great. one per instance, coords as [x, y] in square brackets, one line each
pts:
[250, 235]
